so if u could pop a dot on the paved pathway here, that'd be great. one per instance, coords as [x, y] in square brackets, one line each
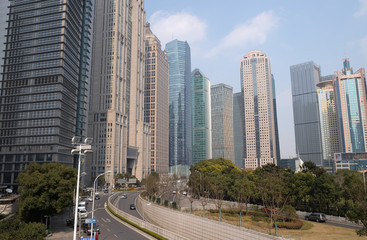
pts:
[58, 226]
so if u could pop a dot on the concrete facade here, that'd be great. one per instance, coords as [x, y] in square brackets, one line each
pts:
[260, 130]
[156, 108]
[116, 118]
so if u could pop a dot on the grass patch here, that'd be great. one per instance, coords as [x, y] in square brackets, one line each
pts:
[153, 234]
[307, 225]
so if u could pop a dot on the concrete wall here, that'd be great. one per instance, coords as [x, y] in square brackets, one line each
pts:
[195, 227]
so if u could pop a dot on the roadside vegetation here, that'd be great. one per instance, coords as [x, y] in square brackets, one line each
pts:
[45, 190]
[280, 191]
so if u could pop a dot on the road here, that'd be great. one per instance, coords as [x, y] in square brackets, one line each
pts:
[110, 228]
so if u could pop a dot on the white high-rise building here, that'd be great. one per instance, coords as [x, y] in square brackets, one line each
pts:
[260, 138]
[116, 118]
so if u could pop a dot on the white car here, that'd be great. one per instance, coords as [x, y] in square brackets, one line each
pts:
[83, 213]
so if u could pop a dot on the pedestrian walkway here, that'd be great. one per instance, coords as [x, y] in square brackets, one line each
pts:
[58, 226]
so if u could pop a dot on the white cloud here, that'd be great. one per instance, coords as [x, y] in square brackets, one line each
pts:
[362, 10]
[182, 26]
[254, 31]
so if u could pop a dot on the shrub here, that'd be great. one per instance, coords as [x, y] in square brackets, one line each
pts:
[296, 224]
[158, 200]
[174, 205]
[166, 202]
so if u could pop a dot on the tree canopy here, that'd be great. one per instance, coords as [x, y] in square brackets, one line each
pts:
[45, 190]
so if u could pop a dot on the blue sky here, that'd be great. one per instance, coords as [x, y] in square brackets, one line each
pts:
[289, 32]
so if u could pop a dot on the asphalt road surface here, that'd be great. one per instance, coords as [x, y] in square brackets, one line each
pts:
[110, 228]
[124, 204]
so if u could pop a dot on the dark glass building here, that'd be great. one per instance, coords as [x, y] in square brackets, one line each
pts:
[44, 86]
[179, 61]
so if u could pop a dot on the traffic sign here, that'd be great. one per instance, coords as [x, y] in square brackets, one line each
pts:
[90, 220]
[87, 238]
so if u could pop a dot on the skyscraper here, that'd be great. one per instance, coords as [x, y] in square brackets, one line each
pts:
[116, 117]
[179, 61]
[201, 117]
[304, 78]
[328, 120]
[350, 93]
[156, 108]
[260, 138]
[44, 86]
[238, 127]
[222, 121]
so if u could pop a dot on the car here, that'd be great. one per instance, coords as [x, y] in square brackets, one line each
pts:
[317, 217]
[105, 191]
[90, 199]
[184, 193]
[132, 207]
[174, 192]
[87, 228]
[83, 213]
[123, 196]
[97, 197]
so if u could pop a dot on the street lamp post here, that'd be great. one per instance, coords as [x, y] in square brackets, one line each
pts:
[364, 181]
[83, 149]
[94, 193]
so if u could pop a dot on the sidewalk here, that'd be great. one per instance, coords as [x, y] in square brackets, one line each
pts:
[58, 227]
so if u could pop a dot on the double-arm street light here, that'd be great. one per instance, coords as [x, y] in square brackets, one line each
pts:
[364, 180]
[82, 149]
[94, 193]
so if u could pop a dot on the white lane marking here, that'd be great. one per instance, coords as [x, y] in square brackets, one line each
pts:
[115, 236]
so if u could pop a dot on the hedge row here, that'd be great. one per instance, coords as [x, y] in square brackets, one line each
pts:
[153, 234]
[295, 224]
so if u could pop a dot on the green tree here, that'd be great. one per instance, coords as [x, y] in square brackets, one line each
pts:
[152, 183]
[14, 228]
[302, 193]
[45, 190]
[272, 184]
[242, 190]
[353, 186]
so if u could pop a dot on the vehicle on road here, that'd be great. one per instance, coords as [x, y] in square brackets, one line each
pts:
[87, 228]
[123, 196]
[83, 213]
[90, 199]
[184, 193]
[317, 217]
[132, 207]
[97, 197]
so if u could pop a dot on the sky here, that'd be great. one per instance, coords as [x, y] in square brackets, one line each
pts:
[289, 32]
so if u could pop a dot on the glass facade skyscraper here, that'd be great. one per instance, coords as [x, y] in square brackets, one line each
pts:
[222, 121]
[201, 117]
[180, 130]
[350, 92]
[44, 87]
[328, 120]
[261, 144]
[238, 124]
[304, 78]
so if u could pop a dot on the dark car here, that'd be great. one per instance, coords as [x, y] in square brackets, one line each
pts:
[317, 217]
[132, 207]
[87, 228]
[97, 197]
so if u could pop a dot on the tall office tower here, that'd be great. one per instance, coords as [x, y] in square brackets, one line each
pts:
[260, 139]
[222, 121]
[180, 131]
[238, 127]
[4, 10]
[116, 117]
[328, 120]
[156, 108]
[304, 78]
[275, 118]
[201, 117]
[45, 65]
[350, 93]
